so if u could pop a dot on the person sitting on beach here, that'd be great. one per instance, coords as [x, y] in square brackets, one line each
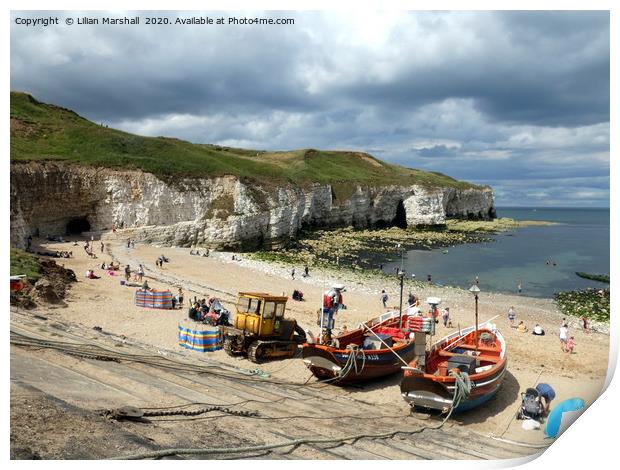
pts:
[570, 345]
[90, 274]
[194, 312]
[521, 328]
[145, 286]
[538, 330]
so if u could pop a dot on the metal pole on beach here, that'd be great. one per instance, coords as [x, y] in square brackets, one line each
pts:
[475, 290]
[400, 313]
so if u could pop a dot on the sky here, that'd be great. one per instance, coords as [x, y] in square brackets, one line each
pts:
[515, 100]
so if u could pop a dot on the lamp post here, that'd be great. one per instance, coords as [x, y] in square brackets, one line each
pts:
[475, 290]
[401, 275]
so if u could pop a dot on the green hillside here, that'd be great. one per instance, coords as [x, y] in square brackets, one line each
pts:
[42, 131]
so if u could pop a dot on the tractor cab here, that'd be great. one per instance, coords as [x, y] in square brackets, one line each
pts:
[260, 314]
[260, 329]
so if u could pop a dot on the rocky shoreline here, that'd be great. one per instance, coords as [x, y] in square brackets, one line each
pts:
[370, 248]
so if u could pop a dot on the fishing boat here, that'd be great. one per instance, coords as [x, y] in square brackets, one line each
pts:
[17, 282]
[470, 364]
[379, 347]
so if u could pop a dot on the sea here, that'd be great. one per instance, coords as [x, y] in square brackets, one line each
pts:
[543, 259]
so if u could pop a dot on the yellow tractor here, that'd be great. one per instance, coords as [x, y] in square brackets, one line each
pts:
[260, 329]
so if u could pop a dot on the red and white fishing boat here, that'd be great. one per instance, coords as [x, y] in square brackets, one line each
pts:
[476, 356]
[376, 349]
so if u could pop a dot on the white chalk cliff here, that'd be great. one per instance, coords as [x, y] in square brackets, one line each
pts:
[217, 212]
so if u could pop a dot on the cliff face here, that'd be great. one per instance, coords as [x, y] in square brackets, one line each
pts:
[55, 198]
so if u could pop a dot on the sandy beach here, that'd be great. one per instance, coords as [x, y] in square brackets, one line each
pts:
[105, 303]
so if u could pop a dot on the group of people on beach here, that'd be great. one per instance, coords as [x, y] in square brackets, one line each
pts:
[413, 307]
[305, 274]
[208, 310]
[567, 343]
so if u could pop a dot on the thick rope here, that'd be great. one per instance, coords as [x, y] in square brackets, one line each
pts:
[293, 443]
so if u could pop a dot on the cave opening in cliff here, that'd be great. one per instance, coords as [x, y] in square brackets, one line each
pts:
[400, 219]
[77, 226]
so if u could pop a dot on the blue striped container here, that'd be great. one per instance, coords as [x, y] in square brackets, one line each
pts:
[200, 340]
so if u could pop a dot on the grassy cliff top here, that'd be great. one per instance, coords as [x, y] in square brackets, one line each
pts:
[45, 132]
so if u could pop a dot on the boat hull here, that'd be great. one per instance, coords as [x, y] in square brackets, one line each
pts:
[422, 392]
[435, 390]
[329, 363]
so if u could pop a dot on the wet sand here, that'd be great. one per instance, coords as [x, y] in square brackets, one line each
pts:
[107, 304]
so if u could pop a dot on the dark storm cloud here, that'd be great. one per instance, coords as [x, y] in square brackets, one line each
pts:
[483, 96]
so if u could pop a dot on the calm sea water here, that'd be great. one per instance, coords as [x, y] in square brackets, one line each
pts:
[579, 243]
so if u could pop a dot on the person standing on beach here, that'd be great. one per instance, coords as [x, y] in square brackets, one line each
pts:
[563, 337]
[306, 271]
[384, 298]
[429, 278]
[180, 297]
[511, 315]
[584, 321]
[519, 286]
[411, 299]
[140, 273]
[102, 247]
[127, 273]
[293, 274]
[445, 315]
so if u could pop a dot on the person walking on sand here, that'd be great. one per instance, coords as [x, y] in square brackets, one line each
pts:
[127, 273]
[570, 345]
[140, 273]
[306, 271]
[563, 338]
[293, 274]
[102, 247]
[384, 298]
[512, 315]
[585, 323]
[180, 297]
[445, 315]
